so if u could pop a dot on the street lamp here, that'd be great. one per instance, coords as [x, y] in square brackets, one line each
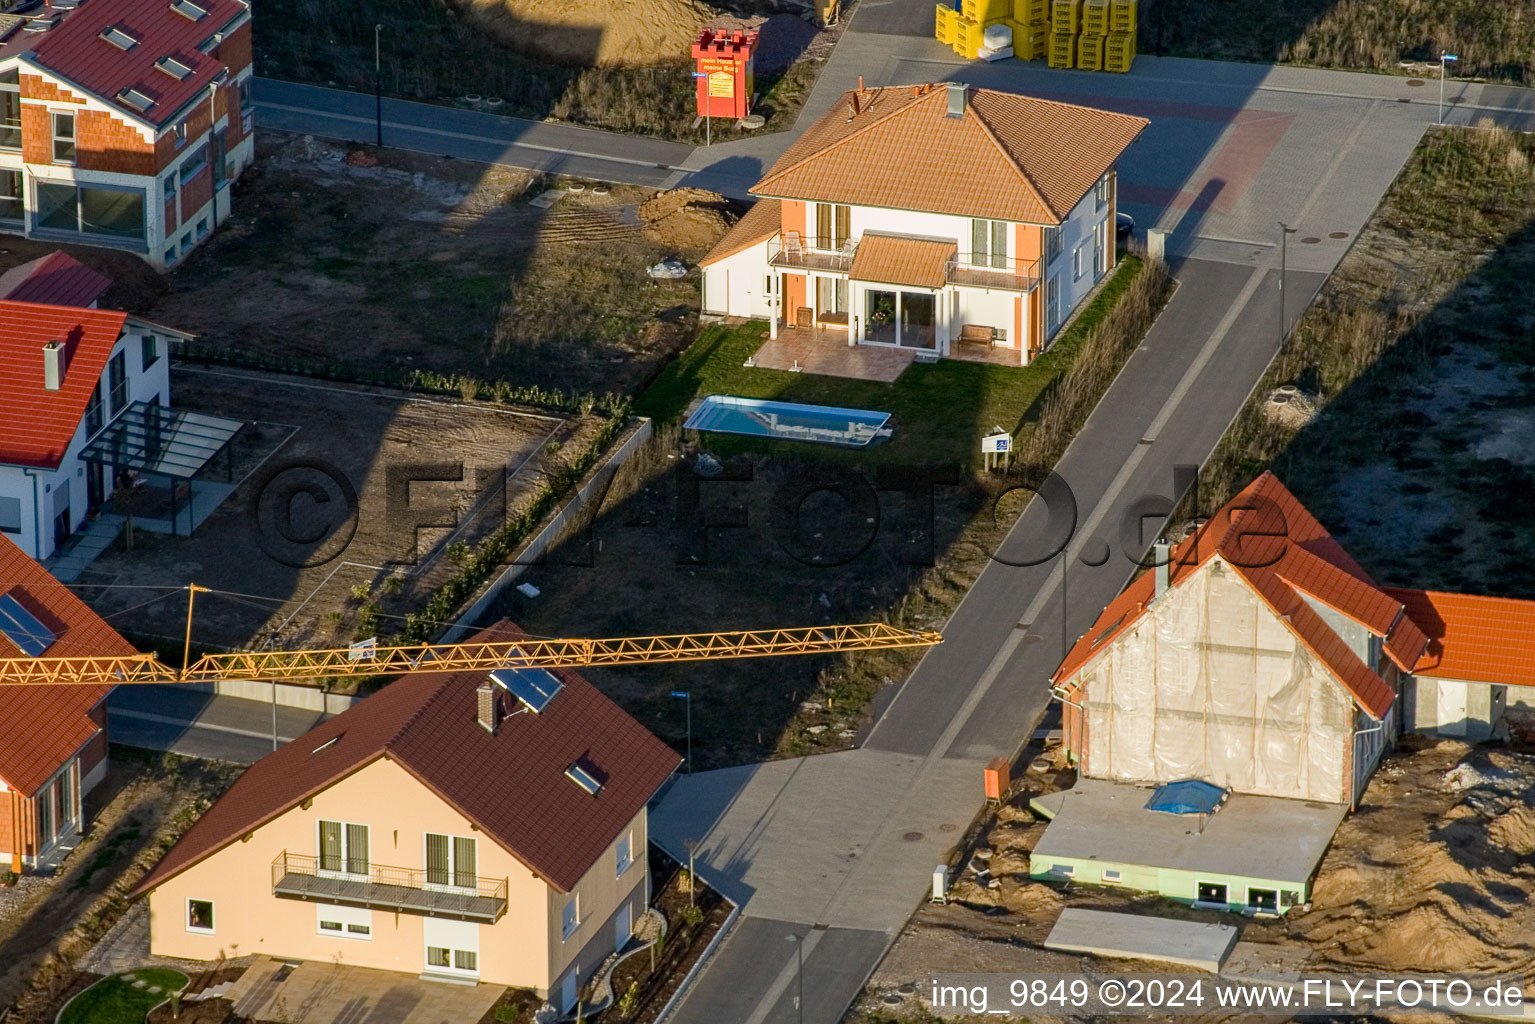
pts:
[378, 87]
[1444, 60]
[1285, 231]
[687, 697]
[799, 953]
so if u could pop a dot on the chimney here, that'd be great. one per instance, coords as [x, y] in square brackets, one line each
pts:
[487, 707]
[957, 92]
[1161, 553]
[53, 365]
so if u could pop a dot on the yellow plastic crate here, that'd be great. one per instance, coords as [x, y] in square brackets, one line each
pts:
[968, 35]
[1029, 12]
[1063, 49]
[1122, 15]
[982, 11]
[1118, 51]
[1095, 17]
[1065, 15]
[1090, 52]
[1030, 42]
[944, 24]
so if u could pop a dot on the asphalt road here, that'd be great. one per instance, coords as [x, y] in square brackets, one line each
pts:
[195, 724]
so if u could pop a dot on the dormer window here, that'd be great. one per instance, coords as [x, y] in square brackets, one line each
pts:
[135, 100]
[173, 67]
[187, 9]
[119, 37]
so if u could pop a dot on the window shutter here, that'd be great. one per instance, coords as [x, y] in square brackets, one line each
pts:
[978, 239]
[357, 849]
[330, 846]
[436, 859]
[463, 862]
[999, 244]
[844, 224]
[823, 225]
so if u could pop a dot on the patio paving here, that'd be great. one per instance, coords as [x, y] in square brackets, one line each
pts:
[327, 993]
[828, 353]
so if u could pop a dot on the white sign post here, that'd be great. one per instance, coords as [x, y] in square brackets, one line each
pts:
[997, 447]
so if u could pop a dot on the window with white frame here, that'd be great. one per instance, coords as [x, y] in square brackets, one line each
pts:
[12, 198]
[354, 923]
[1053, 303]
[625, 852]
[570, 916]
[1078, 262]
[450, 860]
[200, 916]
[10, 515]
[988, 243]
[10, 110]
[1102, 191]
[63, 138]
[833, 225]
[343, 847]
[149, 351]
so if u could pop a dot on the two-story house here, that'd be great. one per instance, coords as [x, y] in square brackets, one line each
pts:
[923, 216]
[123, 122]
[1259, 663]
[459, 826]
[53, 739]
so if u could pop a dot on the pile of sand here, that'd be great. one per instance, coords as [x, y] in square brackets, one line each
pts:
[688, 220]
[1434, 872]
[594, 32]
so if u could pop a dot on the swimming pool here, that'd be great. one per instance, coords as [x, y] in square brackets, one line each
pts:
[756, 417]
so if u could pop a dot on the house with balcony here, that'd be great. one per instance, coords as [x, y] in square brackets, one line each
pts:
[930, 218]
[123, 122]
[460, 826]
[1258, 673]
[87, 431]
[53, 739]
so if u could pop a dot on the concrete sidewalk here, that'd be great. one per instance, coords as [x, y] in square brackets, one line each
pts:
[196, 724]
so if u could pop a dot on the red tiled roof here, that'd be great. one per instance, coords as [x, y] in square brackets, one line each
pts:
[896, 259]
[1473, 638]
[36, 425]
[1283, 552]
[512, 785]
[758, 224]
[57, 279]
[75, 52]
[41, 727]
[1010, 157]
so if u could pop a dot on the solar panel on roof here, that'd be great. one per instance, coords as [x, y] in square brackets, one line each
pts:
[533, 686]
[22, 627]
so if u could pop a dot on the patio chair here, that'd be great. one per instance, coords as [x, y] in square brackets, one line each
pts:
[792, 245]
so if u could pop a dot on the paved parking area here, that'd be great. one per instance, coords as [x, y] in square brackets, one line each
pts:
[316, 993]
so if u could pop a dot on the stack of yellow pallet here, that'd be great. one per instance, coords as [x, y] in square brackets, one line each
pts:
[1063, 50]
[1122, 16]
[1095, 17]
[1031, 29]
[947, 22]
[1090, 52]
[1119, 51]
[1065, 16]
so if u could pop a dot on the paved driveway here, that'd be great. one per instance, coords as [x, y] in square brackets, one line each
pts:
[325, 993]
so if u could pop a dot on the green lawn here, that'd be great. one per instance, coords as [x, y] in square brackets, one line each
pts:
[940, 410]
[114, 1000]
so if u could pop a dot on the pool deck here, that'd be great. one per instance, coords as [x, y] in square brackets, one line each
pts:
[826, 352]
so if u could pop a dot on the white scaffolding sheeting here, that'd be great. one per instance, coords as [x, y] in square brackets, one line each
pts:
[1210, 684]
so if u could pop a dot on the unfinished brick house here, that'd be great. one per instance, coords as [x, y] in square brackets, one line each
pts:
[123, 122]
[53, 739]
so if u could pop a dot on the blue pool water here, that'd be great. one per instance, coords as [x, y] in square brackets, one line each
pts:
[756, 417]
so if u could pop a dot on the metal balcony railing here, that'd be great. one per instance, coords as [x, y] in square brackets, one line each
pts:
[983, 271]
[381, 887]
[791, 251]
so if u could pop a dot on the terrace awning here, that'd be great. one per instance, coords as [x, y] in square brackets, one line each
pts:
[152, 439]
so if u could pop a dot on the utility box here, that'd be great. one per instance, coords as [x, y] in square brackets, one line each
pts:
[724, 76]
[940, 884]
[997, 780]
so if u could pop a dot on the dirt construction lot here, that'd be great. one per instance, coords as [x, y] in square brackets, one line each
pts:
[376, 265]
[334, 584]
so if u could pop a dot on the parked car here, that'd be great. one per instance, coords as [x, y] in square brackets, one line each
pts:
[1124, 224]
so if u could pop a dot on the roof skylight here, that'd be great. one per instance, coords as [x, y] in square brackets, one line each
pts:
[584, 777]
[173, 67]
[135, 100]
[119, 37]
[187, 9]
[22, 628]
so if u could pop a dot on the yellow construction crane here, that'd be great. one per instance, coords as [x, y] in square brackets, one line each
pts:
[359, 660]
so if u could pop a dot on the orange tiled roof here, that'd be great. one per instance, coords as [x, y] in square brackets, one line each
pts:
[898, 259]
[41, 727]
[1283, 553]
[1473, 638]
[758, 224]
[1010, 157]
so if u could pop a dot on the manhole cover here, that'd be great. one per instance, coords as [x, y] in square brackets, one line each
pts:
[947, 826]
[1033, 638]
[1309, 240]
[1415, 82]
[912, 837]
[891, 999]
[907, 989]
[1337, 234]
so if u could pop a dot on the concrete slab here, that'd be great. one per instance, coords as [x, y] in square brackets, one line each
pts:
[1137, 937]
[1251, 836]
[325, 993]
